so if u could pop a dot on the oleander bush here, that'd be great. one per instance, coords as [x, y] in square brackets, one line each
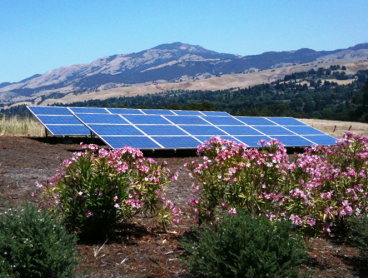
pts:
[33, 243]
[317, 190]
[245, 246]
[97, 189]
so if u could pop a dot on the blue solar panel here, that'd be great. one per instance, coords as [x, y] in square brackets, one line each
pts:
[40, 110]
[286, 121]
[186, 120]
[177, 142]
[210, 113]
[255, 121]
[115, 130]
[101, 119]
[223, 121]
[146, 119]
[157, 112]
[202, 130]
[161, 130]
[322, 139]
[208, 137]
[239, 130]
[273, 130]
[119, 142]
[125, 111]
[252, 141]
[187, 113]
[293, 141]
[68, 130]
[89, 110]
[59, 120]
[305, 130]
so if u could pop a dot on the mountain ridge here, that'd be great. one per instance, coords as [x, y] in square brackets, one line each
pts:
[168, 62]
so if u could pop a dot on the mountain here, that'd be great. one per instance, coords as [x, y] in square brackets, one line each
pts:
[161, 64]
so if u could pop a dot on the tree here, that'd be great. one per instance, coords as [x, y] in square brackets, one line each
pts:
[361, 99]
[174, 106]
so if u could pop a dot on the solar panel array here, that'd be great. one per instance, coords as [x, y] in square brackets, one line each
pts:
[174, 129]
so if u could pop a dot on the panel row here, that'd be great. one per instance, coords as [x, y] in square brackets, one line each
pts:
[201, 130]
[188, 142]
[54, 110]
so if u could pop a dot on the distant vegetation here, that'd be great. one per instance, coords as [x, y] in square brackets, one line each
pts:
[309, 94]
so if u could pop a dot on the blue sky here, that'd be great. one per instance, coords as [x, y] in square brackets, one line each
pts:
[38, 36]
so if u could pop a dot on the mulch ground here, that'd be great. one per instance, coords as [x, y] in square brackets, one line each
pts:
[141, 249]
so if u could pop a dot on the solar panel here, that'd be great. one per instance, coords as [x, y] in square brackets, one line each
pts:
[68, 130]
[59, 120]
[101, 119]
[149, 128]
[161, 130]
[273, 130]
[146, 119]
[286, 121]
[186, 120]
[203, 130]
[114, 130]
[208, 138]
[322, 139]
[187, 113]
[305, 130]
[125, 111]
[180, 142]
[211, 113]
[39, 110]
[252, 141]
[89, 110]
[119, 142]
[255, 121]
[240, 130]
[293, 140]
[223, 121]
[157, 112]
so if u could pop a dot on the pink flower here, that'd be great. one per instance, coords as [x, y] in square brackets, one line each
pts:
[117, 206]
[176, 220]
[232, 211]
[115, 198]
[88, 213]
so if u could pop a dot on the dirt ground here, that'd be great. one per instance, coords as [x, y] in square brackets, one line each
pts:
[141, 249]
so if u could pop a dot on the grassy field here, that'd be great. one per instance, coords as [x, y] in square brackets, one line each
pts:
[21, 127]
[32, 127]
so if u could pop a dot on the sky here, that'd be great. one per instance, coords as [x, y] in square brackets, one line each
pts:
[39, 36]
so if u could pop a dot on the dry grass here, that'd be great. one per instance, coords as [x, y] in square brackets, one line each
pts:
[15, 126]
[329, 126]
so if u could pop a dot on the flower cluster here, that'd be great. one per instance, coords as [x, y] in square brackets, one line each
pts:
[98, 187]
[322, 186]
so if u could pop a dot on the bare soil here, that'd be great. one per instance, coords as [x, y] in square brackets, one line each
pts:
[142, 249]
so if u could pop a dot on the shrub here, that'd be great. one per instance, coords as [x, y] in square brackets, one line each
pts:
[34, 244]
[357, 230]
[245, 246]
[316, 191]
[97, 189]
